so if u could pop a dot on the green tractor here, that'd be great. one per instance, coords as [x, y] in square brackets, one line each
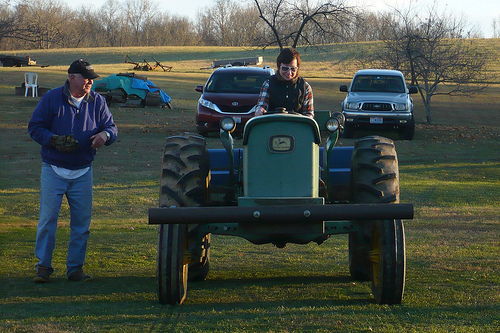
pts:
[282, 187]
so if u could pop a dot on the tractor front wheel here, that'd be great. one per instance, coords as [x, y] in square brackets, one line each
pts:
[388, 261]
[172, 271]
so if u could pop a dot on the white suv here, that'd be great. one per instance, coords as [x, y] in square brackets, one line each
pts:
[379, 99]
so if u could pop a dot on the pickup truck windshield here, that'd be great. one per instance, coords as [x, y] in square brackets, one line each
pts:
[378, 83]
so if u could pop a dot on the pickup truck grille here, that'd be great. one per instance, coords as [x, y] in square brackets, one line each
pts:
[377, 107]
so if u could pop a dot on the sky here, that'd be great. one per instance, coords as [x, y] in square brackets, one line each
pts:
[480, 13]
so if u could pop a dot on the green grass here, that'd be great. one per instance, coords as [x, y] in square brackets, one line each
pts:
[450, 172]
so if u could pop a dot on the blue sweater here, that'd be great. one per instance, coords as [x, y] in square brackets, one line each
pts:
[56, 114]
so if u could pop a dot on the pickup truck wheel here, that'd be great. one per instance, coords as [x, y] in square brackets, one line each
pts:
[348, 132]
[374, 179]
[408, 132]
[184, 183]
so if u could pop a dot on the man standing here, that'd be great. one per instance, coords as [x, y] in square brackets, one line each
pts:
[70, 123]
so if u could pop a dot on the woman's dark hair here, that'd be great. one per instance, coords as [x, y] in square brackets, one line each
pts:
[287, 55]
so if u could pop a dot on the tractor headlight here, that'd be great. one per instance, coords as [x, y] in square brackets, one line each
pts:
[227, 124]
[332, 125]
[335, 122]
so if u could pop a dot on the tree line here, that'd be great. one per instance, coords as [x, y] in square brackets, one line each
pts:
[47, 24]
[430, 47]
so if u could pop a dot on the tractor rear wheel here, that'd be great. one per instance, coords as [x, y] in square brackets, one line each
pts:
[200, 264]
[376, 252]
[184, 183]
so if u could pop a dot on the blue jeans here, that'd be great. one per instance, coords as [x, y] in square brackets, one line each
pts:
[79, 194]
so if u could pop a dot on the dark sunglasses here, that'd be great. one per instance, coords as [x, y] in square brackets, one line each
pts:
[286, 69]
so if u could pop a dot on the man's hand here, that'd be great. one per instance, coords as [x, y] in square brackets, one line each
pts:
[99, 139]
[64, 143]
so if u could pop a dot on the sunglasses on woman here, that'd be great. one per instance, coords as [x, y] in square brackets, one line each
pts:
[286, 69]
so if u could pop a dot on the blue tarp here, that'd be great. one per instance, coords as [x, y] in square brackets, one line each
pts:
[131, 85]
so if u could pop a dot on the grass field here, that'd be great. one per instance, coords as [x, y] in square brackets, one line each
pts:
[450, 171]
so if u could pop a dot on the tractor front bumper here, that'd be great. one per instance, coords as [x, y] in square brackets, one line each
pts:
[280, 213]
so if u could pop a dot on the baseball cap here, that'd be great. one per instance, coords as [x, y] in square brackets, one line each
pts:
[83, 67]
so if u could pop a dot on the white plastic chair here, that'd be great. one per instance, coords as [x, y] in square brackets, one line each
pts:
[31, 81]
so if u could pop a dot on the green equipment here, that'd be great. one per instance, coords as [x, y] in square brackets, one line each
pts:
[283, 186]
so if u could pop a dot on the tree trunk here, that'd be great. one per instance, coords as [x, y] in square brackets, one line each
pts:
[428, 114]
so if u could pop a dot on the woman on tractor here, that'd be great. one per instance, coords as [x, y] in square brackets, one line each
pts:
[286, 89]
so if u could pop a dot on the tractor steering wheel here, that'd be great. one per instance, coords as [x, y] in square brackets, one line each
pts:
[280, 111]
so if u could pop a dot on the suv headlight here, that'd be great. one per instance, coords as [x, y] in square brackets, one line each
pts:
[352, 106]
[401, 106]
[208, 104]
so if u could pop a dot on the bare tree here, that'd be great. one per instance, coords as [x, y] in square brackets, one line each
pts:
[246, 28]
[229, 23]
[172, 30]
[433, 51]
[8, 20]
[495, 26]
[221, 17]
[43, 22]
[290, 21]
[112, 21]
[139, 15]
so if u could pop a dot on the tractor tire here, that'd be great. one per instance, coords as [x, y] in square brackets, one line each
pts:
[172, 271]
[388, 259]
[373, 160]
[184, 183]
[374, 171]
[377, 252]
[199, 267]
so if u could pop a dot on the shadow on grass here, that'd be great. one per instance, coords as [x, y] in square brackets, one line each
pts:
[131, 303]
[59, 292]
[277, 280]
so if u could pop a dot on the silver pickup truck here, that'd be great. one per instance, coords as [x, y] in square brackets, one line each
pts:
[379, 99]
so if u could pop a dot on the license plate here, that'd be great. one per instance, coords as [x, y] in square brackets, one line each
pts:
[376, 120]
[237, 120]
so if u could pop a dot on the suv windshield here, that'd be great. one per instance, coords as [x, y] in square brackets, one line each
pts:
[236, 82]
[378, 83]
